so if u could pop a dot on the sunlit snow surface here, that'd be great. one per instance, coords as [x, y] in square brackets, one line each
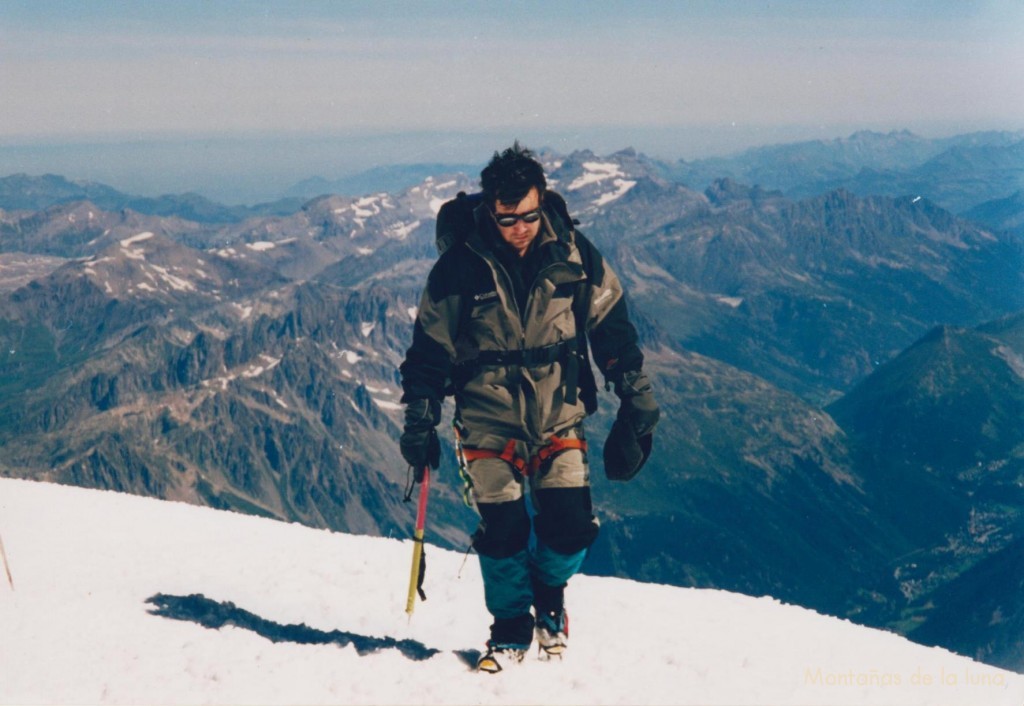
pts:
[78, 627]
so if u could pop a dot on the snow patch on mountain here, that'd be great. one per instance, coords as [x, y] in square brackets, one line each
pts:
[363, 209]
[621, 187]
[368, 206]
[127, 242]
[131, 267]
[436, 203]
[252, 370]
[600, 173]
[244, 310]
[175, 282]
[255, 370]
[1013, 360]
[594, 173]
[133, 253]
[434, 193]
[377, 394]
[401, 231]
[261, 246]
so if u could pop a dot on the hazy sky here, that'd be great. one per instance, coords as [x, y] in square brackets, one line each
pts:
[675, 79]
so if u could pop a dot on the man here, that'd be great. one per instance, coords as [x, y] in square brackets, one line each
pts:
[503, 318]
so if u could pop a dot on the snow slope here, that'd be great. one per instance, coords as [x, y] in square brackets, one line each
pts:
[77, 628]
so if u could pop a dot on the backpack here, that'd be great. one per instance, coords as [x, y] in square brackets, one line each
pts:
[455, 221]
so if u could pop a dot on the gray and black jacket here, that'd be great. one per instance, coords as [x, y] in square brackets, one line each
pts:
[501, 330]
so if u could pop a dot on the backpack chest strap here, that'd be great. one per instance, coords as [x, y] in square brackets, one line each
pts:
[528, 357]
[565, 352]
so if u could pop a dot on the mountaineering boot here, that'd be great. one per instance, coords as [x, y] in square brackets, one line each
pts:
[498, 655]
[552, 632]
[552, 624]
[510, 639]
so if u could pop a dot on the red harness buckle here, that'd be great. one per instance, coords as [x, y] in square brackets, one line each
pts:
[555, 447]
[508, 455]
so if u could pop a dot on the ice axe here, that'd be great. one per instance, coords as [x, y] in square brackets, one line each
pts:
[419, 559]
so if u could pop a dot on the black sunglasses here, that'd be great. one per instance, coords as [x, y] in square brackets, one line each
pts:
[507, 220]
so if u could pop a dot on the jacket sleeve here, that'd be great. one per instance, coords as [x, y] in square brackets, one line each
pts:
[612, 336]
[428, 362]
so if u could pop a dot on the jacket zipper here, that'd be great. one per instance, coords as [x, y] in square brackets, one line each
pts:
[495, 264]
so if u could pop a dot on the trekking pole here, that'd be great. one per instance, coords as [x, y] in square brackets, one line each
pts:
[7, 566]
[419, 560]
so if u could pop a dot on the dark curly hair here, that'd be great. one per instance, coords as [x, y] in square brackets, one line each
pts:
[510, 175]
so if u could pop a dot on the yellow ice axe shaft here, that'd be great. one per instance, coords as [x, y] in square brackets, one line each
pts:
[416, 574]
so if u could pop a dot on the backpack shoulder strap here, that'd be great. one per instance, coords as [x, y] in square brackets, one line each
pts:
[455, 220]
[587, 381]
[555, 205]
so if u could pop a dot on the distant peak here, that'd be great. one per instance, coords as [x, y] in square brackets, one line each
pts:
[862, 135]
[727, 190]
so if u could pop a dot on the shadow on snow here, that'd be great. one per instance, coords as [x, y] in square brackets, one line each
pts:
[197, 608]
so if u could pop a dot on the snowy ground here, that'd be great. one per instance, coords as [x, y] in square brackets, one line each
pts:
[77, 628]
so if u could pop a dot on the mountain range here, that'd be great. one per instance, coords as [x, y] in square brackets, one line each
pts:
[22, 192]
[840, 374]
[958, 172]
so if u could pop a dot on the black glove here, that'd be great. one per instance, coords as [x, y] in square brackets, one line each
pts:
[419, 443]
[631, 437]
[638, 408]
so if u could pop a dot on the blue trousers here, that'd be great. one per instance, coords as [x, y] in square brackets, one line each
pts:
[564, 524]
